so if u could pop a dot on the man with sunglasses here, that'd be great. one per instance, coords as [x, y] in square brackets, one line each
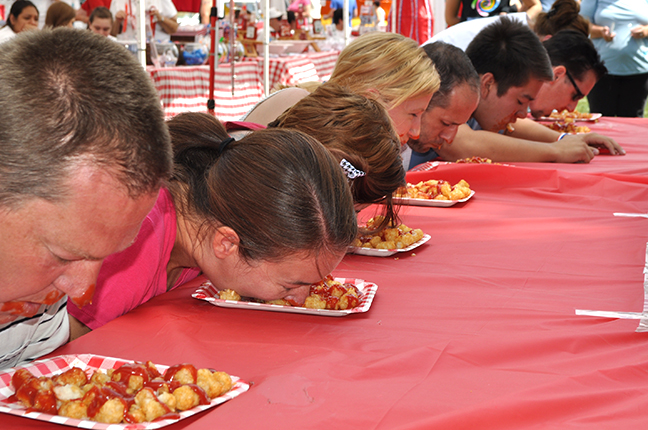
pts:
[516, 75]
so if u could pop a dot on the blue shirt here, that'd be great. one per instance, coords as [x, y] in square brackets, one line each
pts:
[339, 4]
[624, 55]
[420, 158]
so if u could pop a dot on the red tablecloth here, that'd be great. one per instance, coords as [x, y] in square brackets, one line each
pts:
[474, 330]
[186, 89]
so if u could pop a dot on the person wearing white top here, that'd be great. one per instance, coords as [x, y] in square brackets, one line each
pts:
[23, 15]
[161, 13]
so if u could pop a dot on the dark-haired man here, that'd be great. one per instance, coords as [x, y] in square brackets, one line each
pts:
[515, 73]
[76, 178]
[451, 106]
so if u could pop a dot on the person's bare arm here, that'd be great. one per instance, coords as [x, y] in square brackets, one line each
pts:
[117, 22]
[451, 12]
[530, 130]
[169, 25]
[470, 143]
[77, 328]
[598, 31]
[532, 8]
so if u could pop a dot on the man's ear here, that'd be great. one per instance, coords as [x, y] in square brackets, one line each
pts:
[559, 72]
[488, 84]
[225, 242]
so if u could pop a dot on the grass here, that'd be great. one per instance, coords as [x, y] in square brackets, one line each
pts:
[583, 107]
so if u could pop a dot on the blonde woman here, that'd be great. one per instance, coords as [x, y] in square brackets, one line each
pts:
[387, 67]
[393, 70]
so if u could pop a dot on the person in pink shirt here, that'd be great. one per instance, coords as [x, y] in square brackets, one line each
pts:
[266, 216]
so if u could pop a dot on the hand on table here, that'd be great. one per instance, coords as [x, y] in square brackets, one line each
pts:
[583, 147]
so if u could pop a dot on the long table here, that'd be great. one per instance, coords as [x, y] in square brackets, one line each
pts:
[477, 329]
[186, 88]
[297, 68]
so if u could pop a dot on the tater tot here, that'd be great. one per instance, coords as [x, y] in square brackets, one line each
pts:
[74, 409]
[111, 412]
[390, 234]
[229, 295]
[150, 404]
[210, 383]
[186, 398]
[73, 376]
[314, 302]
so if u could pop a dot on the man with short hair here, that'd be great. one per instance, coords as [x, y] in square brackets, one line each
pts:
[515, 73]
[451, 106]
[577, 67]
[83, 152]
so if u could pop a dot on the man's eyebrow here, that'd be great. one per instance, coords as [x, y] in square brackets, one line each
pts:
[528, 97]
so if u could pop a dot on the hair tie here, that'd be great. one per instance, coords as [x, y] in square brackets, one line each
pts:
[350, 170]
[224, 144]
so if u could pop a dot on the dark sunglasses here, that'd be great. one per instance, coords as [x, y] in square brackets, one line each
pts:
[579, 94]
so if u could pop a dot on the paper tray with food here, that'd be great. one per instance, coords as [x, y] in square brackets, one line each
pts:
[366, 292]
[373, 252]
[431, 202]
[437, 193]
[385, 241]
[568, 116]
[57, 372]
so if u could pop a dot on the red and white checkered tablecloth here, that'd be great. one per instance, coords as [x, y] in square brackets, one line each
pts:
[324, 63]
[295, 69]
[186, 89]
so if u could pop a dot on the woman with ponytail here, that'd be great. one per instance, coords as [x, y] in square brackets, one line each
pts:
[266, 216]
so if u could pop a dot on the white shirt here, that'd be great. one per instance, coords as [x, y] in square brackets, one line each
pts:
[6, 33]
[460, 35]
[165, 7]
[29, 338]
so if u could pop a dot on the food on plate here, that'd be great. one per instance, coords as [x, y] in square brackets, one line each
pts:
[476, 160]
[389, 238]
[570, 116]
[568, 127]
[132, 393]
[435, 190]
[326, 294]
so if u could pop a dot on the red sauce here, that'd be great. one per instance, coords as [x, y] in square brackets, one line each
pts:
[53, 297]
[26, 309]
[97, 397]
[203, 398]
[171, 372]
[85, 298]
[38, 398]
[124, 373]
[156, 385]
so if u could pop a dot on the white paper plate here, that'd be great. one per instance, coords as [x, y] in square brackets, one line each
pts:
[89, 362]
[386, 252]
[593, 118]
[209, 293]
[430, 202]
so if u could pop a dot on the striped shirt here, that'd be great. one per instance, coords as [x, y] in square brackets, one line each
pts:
[28, 338]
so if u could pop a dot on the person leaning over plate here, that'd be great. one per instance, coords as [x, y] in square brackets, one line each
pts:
[266, 216]
[352, 127]
[77, 176]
